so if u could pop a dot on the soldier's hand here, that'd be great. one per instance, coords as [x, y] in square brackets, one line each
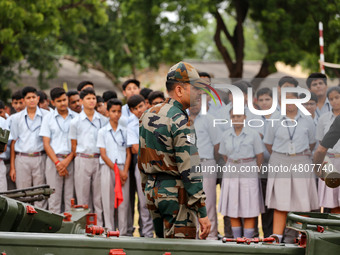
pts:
[205, 226]
[5, 148]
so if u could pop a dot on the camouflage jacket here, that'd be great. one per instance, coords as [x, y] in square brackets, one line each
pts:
[167, 145]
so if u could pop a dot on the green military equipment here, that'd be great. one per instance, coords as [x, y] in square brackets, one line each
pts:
[4, 136]
[29, 195]
[28, 230]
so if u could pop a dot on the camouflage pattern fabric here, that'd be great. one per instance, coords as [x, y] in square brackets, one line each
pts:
[167, 146]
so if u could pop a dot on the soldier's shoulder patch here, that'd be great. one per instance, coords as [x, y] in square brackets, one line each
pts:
[191, 138]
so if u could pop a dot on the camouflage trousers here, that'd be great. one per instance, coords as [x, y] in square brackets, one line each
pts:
[167, 204]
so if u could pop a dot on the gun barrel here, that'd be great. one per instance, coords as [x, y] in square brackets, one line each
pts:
[31, 194]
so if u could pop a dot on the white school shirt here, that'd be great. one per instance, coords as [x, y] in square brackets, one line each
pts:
[207, 135]
[133, 132]
[115, 143]
[324, 109]
[302, 137]
[57, 128]
[324, 123]
[247, 144]
[26, 131]
[85, 132]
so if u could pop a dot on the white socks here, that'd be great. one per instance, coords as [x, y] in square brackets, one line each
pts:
[248, 232]
[237, 231]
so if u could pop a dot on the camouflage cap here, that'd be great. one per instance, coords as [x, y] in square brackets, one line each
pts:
[186, 73]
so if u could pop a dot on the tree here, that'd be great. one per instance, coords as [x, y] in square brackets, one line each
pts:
[138, 34]
[289, 30]
[30, 30]
[117, 37]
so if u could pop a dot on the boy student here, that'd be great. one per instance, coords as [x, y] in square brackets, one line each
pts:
[18, 101]
[284, 82]
[83, 134]
[317, 83]
[3, 110]
[214, 109]
[208, 139]
[145, 92]
[311, 105]
[137, 107]
[111, 141]
[44, 102]
[130, 88]
[17, 105]
[27, 149]
[264, 98]
[59, 164]
[84, 85]
[100, 107]
[74, 101]
[107, 95]
[156, 97]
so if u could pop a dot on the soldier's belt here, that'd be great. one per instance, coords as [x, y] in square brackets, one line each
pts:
[6, 161]
[33, 154]
[205, 159]
[333, 155]
[162, 176]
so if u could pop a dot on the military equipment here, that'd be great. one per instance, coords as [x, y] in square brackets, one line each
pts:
[4, 135]
[29, 195]
[25, 229]
[330, 174]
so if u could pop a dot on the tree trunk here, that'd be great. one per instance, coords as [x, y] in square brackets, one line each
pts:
[266, 69]
[236, 40]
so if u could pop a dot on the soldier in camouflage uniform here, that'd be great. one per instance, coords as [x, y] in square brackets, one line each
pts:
[168, 157]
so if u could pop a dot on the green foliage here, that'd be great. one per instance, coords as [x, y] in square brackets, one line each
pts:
[205, 48]
[290, 30]
[30, 30]
[120, 36]
[116, 37]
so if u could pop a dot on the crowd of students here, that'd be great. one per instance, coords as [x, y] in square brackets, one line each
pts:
[73, 145]
[74, 141]
[245, 193]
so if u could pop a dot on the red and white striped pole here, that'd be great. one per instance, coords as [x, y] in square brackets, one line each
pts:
[322, 56]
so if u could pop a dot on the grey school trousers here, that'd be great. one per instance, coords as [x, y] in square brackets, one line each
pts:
[63, 185]
[87, 178]
[108, 182]
[209, 187]
[30, 171]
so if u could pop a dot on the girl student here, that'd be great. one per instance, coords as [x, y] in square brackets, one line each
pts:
[290, 142]
[328, 197]
[241, 195]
